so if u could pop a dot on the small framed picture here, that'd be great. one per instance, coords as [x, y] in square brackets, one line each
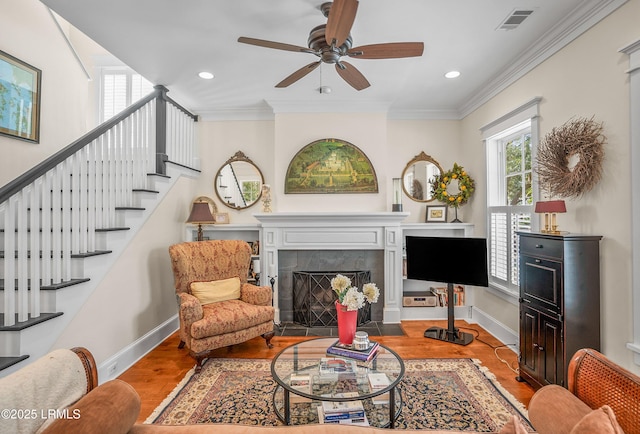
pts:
[436, 214]
[222, 218]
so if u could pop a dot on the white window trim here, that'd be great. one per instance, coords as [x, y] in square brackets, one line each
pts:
[529, 111]
[633, 51]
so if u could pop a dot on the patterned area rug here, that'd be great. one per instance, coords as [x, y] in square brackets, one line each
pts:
[454, 394]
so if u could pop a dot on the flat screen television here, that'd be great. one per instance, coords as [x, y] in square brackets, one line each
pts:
[447, 259]
[450, 260]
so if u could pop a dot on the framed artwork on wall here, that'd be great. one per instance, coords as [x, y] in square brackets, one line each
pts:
[330, 166]
[19, 99]
[436, 214]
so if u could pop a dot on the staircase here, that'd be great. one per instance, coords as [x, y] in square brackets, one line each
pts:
[64, 222]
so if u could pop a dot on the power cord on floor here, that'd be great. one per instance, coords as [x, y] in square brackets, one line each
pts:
[476, 335]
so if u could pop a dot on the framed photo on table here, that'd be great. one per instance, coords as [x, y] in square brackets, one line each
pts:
[436, 214]
[221, 218]
[19, 99]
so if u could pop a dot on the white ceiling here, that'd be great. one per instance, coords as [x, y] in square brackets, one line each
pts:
[170, 41]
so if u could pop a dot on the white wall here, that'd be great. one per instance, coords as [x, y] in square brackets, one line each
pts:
[28, 32]
[587, 78]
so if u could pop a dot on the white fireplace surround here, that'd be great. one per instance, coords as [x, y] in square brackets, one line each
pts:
[341, 231]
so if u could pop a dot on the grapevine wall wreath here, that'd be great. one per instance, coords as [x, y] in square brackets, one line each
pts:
[581, 139]
[466, 186]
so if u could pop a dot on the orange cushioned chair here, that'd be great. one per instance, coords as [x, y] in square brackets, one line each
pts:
[225, 310]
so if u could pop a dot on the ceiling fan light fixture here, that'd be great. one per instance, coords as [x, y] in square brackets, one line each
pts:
[324, 89]
[452, 74]
[205, 75]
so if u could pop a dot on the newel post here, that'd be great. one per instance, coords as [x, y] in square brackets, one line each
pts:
[161, 130]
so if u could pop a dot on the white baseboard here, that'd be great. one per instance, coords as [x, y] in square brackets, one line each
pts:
[498, 330]
[125, 358]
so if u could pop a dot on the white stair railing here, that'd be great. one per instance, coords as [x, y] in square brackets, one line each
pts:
[53, 211]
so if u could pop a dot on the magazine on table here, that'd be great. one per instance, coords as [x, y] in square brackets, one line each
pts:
[350, 421]
[336, 365]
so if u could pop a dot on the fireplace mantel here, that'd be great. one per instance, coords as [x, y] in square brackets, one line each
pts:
[348, 219]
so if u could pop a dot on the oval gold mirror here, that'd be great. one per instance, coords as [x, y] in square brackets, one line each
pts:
[417, 176]
[238, 183]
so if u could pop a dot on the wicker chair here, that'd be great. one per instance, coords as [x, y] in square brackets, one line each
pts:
[204, 328]
[595, 381]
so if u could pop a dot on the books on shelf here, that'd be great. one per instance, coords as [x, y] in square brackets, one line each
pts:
[379, 381]
[337, 365]
[342, 350]
[441, 294]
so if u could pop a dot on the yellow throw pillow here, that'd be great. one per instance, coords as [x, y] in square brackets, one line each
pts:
[216, 290]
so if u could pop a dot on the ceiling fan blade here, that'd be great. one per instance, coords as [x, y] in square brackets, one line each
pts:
[391, 50]
[351, 75]
[276, 45]
[298, 74]
[341, 17]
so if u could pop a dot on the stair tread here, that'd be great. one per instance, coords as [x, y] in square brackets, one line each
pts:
[124, 228]
[28, 323]
[73, 255]
[161, 175]
[6, 362]
[54, 286]
[97, 229]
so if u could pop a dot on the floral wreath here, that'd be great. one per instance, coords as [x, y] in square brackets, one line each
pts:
[466, 186]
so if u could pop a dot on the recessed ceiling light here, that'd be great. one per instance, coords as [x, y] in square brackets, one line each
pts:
[452, 74]
[206, 75]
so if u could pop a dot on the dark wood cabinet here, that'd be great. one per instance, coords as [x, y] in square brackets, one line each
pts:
[559, 303]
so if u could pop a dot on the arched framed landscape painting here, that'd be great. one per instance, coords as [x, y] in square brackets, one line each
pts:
[330, 166]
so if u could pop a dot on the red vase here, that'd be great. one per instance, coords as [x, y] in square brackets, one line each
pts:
[347, 323]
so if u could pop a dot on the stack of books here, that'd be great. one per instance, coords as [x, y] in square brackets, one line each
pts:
[377, 382]
[342, 350]
[302, 383]
[343, 412]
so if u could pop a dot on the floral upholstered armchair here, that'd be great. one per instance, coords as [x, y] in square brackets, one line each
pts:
[218, 307]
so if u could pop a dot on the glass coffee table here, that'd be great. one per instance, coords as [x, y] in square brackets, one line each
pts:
[307, 377]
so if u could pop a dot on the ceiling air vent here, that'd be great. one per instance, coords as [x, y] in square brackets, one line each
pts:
[514, 19]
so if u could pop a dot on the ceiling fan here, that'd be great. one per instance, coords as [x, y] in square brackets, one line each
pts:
[332, 41]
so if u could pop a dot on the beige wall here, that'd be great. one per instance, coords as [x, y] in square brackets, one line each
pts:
[587, 78]
[28, 32]
[389, 145]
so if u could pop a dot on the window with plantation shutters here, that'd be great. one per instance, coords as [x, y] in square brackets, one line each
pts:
[511, 190]
[119, 89]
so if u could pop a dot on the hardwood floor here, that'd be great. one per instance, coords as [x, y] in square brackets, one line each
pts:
[157, 374]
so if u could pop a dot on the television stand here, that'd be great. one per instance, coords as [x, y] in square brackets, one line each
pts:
[451, 333]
